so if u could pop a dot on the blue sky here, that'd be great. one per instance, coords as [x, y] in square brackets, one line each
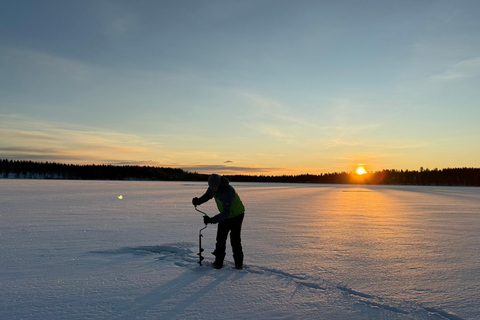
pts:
[254, 87]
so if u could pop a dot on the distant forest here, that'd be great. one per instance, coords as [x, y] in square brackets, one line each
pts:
[13, 169]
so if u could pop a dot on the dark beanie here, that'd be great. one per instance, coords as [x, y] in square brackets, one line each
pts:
[214, 180]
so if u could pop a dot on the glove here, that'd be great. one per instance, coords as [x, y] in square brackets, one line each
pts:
[207, 220]
[196, 201]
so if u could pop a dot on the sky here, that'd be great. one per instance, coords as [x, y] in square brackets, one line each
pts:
[242, 87]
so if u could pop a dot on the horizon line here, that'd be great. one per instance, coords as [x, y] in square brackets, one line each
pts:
[225, 168]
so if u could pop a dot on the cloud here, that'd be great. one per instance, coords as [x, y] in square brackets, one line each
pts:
[42, 63]
[460, 71]
[272, 119]
[246, 170]
[223, 169]
[26, 138]
[22, 137]
[371, 145]
[273, 131]
[272, 109]
[115, 19]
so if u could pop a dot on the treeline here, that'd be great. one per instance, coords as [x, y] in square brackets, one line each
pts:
[436, 177]
[49, 170]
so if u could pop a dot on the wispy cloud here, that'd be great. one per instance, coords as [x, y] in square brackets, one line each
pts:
[26, 138]
[374, 145]
[460, 71]
[273, 109]
[225, 169]
[273, 119]
[117, 21]
[247, 170]
[42, 63]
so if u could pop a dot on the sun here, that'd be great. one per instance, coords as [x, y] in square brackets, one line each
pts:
[361, 170]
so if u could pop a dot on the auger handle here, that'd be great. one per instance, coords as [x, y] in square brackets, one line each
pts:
[201, 211]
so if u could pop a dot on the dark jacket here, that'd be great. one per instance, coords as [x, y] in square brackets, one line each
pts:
[227, 199]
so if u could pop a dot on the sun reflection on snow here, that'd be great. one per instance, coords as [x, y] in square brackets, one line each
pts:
[364, 228]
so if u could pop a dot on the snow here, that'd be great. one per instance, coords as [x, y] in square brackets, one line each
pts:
[74, 250]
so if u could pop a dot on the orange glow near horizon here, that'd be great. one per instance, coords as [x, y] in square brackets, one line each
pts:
[361, 170]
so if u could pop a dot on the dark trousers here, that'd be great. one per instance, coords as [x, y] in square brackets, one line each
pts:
[234, 227]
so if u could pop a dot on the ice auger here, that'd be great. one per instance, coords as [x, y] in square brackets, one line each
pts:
[200, 249]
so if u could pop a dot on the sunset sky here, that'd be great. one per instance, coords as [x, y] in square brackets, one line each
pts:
[251, 87]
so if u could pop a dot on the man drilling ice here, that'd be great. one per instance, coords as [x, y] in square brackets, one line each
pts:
[229, 219]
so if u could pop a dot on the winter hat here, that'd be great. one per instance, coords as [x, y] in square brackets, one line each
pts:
[214, 180]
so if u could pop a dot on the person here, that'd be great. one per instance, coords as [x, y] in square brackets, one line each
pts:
[230, 218]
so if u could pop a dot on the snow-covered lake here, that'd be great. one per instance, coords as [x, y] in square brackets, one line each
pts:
[74, 250]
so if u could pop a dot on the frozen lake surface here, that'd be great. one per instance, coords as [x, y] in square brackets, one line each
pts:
[74, 250]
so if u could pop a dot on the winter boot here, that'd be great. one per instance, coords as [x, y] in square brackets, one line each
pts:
[238, 261]
[218, 263]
